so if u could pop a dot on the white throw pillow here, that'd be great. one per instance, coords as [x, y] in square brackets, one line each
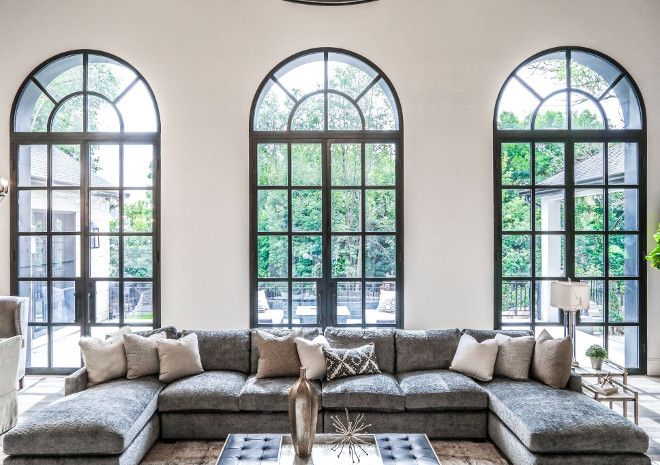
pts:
[179, 358]
[142, 355]
[475, 359]
[311, 356]
[104, 359]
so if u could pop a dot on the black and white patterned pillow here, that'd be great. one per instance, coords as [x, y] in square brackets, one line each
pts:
[351, 362]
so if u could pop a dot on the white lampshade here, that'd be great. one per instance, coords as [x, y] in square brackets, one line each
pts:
[570, 296]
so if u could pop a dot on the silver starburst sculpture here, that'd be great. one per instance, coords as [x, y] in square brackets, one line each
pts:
[348, 436]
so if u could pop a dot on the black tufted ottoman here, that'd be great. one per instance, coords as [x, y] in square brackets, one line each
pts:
[395, 449]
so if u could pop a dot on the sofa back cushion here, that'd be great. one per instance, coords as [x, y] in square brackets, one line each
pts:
[224, 349]
[482, 334]
[351, 338]
[307, 333]
[425, 349]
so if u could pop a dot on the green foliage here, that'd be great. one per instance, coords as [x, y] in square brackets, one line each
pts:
[654, 256]
[596, 351]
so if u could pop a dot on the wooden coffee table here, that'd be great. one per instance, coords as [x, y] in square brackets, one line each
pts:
[277, 449]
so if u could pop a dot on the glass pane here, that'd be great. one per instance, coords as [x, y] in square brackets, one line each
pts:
[138, 303]
[550, 211]
[545, 74]
[624, 301]
[307, 256]
[596, 311]
[65, 211]
[138, 165]
[589, 255]
[545, 313]
[550, 253]
[104, 256]
[32, 166]
[586, 336]
[66, 351]
[104, 211]
[515, 107]
[37, 347]
[380, 303]
[622, 209]
[66, 165]
[380, 164]
[516, 255]
[515, 164]
[381, 256]
[307, 209]
[346, 210]
[623, 255]
[138, 211]
[64, 301]
[549, 164]
[622, 107]
[66, 256]
[624, 345]
[622, 163]
[37, 292]
[585, 114]
[104, 165]
[102, 332]
[138, 257]
[589, 210]
[346, 257]
[555, 331]
[273, 303]
[346, 167]
[32, 207]
[305, 165]
[33, 110]
[273, 256]
[106, 302]
[342, 114]
[138, 110]
[380, 206]
[101, 116]
[304, 303]
[62, 76]
[516, 301]
[349, 303]
[273, 109]
[309, 116]
[303, 75]
[107, 76]
[272, 210]
[69, 116]
[516, 210]
[348, 75]
[591, 73]
[589, 166]
[379, 109]
[552, 114]
[32, 256]
[272, 165]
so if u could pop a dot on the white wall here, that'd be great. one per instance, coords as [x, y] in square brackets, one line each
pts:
[447, 60]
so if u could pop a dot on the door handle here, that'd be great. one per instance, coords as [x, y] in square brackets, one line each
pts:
[91, 307]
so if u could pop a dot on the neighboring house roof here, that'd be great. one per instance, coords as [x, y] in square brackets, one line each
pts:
[68, 170]
[592, 167]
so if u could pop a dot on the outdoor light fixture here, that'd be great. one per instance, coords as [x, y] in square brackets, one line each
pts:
[4, 188]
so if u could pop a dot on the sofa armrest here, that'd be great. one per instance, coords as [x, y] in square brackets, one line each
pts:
[75, 382]
[574, 382]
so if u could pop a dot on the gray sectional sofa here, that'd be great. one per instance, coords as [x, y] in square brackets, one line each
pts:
[117, 422]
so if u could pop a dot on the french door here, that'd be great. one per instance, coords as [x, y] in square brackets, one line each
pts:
[85, 239]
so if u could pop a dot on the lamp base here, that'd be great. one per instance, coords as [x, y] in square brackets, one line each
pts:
[570, 322]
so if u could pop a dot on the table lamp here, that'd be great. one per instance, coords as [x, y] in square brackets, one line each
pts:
[571, 297]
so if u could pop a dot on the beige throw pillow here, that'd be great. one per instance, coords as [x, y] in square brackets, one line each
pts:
[475, 359]
[278, 356]
[514, 356]
[104, 359]
[179, 358]
[552, 360]
[142, 355]
[311, 356]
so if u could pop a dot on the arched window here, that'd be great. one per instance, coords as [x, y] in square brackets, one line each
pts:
[570, 145]
[85, 137]
[326, 194]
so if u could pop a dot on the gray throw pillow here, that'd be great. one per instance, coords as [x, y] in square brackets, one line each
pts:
[552, 360]
[104, 359]
[514, 356]
[142, 354]
[351, 362]
[278, 356]
[179, 358]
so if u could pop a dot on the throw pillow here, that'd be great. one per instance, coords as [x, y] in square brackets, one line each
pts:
[179, 358]
[311, 356]
[351, 362]
[104, 359]
[278, 356]
[552, 360]
[142, 354]
[514, 356]
[475, 359]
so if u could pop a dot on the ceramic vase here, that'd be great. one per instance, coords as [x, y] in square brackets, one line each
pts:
[303, 414]
[597, 363]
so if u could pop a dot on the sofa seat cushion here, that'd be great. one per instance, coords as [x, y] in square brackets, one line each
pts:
[548, 420]
[102, 420]
[215, 391]
[441, 390]
[380, 393]
[269, 394]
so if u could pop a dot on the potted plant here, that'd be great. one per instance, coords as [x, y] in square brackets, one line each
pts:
[654, 256]
[597, 354]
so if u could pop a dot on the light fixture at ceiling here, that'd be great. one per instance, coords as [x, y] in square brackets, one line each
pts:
[330, 2]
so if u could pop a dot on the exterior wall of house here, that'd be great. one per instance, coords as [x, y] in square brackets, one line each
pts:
[447, 60]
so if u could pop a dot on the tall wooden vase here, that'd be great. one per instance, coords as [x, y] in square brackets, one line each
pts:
[303, 414]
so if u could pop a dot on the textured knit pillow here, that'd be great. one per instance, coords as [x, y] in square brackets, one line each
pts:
[278, 356]
[351, 362]
[514, 356]
[179, 358]
[475, 359]
[552, 360]
[142, 354]
[104, 359]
